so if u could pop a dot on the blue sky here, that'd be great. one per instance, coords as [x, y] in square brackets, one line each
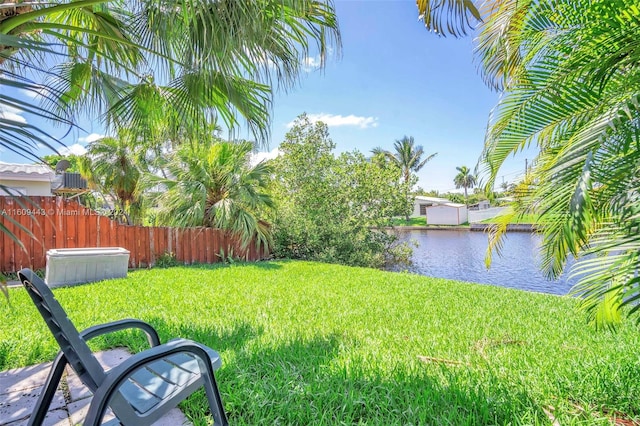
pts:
[393, 78]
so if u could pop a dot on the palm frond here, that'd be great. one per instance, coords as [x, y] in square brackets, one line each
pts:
[448, 17]
[572, 87]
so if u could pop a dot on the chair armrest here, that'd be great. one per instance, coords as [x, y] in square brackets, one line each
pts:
[117, 375]
[98, 330]
[214, 356]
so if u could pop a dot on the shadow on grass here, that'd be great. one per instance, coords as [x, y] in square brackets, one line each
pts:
[306, 381]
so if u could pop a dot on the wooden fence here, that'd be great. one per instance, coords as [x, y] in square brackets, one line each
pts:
[60, 223]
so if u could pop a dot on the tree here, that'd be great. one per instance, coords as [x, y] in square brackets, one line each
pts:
[153, 69]
[212, 184]
[569, 72]
[109, 166]
[465, 179]
[408, 158]
[332, 208]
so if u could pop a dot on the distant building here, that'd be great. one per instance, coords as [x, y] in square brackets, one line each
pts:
[26, 179]
[39, 180]
[447, 214]
[440, 211]
[480, 205]
[421, 203]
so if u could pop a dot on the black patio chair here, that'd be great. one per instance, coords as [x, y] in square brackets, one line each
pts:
[143, 387]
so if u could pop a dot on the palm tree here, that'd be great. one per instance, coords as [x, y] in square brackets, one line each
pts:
[570, 73]
[408, 158]
[109, 166]
[214, 185]
[105, 50]
[159, 70]
[152, 68]
[465, 179]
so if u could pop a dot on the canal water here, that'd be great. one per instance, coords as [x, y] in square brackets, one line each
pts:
[459, 255]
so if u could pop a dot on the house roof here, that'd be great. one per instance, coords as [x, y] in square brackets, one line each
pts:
[27, 172]
[434, 200]
[448, 204]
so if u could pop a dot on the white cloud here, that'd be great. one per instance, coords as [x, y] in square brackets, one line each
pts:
[257, 157]
[13, 114]
[75, 149]
[335, 120]
[311, 63]
[90, 138]
[35, 93]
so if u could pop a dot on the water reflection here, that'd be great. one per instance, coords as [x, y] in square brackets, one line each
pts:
[459, 255]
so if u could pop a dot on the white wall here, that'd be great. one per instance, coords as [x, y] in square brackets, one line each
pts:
[32, 188]
[464, 214]
[446, 215]
[416, 208]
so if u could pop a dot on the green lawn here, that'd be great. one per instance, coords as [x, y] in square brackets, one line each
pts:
[413, 221]
[420, 221]
[526, 218]
[309, 343]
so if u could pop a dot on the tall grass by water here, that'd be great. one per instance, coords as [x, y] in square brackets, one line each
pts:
[310, 343]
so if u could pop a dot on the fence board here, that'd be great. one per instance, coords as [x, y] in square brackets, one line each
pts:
[186, 245]
[8, 245]
[196, 253]
[208, 240]
[38, 243]
[60, 223]
[177, 241]
[22, 257]
[159, 245]
[49, 228]
[71, 228]
[143, 246]
[130, 243]
[82, 223]
[152, 246]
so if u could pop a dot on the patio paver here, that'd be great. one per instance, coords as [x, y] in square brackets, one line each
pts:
[20, 388]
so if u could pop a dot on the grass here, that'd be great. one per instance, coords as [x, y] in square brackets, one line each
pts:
[420, 221]
[524, 219]
[413, 221]
[310, 343]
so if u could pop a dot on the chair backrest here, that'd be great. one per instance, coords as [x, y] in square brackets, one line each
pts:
[74, 348]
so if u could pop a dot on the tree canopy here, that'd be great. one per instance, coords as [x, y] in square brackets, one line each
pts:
[154, 69]
[465, 179]
[570, 79]
[332, 208]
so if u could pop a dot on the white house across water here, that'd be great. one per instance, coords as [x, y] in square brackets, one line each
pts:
[440, 211]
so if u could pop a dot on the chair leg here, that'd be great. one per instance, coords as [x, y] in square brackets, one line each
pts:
[48, 391]
[215, 401]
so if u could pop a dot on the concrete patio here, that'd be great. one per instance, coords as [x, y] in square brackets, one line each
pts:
[20, 388]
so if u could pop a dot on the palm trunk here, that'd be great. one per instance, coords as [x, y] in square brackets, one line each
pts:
[407, 176]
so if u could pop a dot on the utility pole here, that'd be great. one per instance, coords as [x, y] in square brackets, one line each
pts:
[526, 167]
